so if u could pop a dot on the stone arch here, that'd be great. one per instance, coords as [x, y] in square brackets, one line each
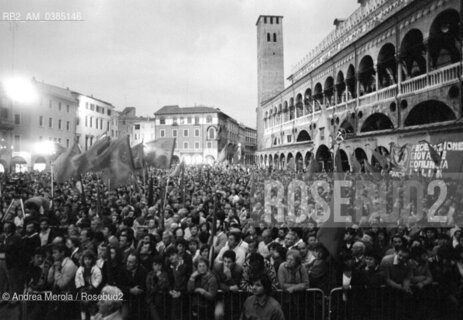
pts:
[270, 160]
[307, 101]
[318, 95]
[291, 109]
[289, 158]
[299, 162]
[347, 126]
[387, 66]
[430, 111]
[351, 82]
[282, 161]
[412, 54]
[276, 161]
[344, 160]
[377, 121]
[324, 158]
[340, 86]
[299, 106]
[265, 161]
[307, 157]
[367, 75]
[444, 39]
[285, 111]
[303, 136]
[328, 90]
[361, 157]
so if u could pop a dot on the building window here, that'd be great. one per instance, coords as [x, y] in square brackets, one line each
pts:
[182, 120]
[271, 20]
[211, 133]
[289, 138]
[162, 120]
[59, 124]
[268, 37]
[86, 105]
[17, 119]
[174, 132]
[107, 126]
[91, 122]
[209, 145]
[185, 132]
[189, 120]
[59, 106]
[274, 37]
[137, 127]
[67, 125]
[209, 119]
[109, 112]
[276, 20]
[174, 121]
[163, 133]
[96, 123]
[67, 143]
[50, 122]
[322, 133]
[86, 121]
[196, 120]
[67, 108]
[265, 19]
[196, 132]
[92, 107]
[185, 145]
[196, 145]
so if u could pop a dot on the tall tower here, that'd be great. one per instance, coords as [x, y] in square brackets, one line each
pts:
[270, 68]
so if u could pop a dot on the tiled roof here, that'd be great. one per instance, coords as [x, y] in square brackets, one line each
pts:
[177, 110]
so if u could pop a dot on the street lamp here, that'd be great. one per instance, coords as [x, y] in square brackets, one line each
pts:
[20, 90]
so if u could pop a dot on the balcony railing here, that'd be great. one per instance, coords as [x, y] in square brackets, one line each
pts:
[442, 76]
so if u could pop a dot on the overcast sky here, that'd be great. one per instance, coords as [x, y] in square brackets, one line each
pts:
[150, 53]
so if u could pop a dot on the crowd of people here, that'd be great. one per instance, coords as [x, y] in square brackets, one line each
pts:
[175, 251]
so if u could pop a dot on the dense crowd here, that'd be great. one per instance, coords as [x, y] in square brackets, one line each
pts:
[160, 250]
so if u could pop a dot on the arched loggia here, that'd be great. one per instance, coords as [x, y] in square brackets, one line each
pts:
[429, 112]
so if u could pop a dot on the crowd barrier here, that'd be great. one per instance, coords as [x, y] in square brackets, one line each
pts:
[380, 303]
[384, 303]
[308, 304]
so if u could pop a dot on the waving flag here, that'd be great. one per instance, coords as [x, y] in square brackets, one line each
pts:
[435, 156]
[382, 160]
[159, 152]
[138, 156]
[85, 162]
[63, 167]
[117, 161]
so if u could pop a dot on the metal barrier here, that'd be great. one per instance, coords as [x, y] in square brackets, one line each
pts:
[308, 304]
[383, 303]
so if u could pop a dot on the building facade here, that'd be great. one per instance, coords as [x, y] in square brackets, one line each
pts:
[202, 133]
[139, 129]
[389, 74]
[6, 130]
[95, 118]
[51, 118]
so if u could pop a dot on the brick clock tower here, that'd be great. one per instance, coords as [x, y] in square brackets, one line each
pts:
[270, 68]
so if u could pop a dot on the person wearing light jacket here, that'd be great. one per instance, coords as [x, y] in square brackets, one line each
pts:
[88, 280]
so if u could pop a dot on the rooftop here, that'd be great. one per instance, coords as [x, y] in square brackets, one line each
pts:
[175, 109]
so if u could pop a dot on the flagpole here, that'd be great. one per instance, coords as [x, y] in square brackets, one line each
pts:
[213, 231]
[83, 198]
[164, 202]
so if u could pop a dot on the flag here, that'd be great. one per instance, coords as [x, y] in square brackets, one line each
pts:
[381, 159]
[59, 150]
[435, 156]
[178, 169]
[159, 152]
[116, 160]
[356, 166]
[63, 167]
[138, 156]
[84, 162]
[222, 155]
